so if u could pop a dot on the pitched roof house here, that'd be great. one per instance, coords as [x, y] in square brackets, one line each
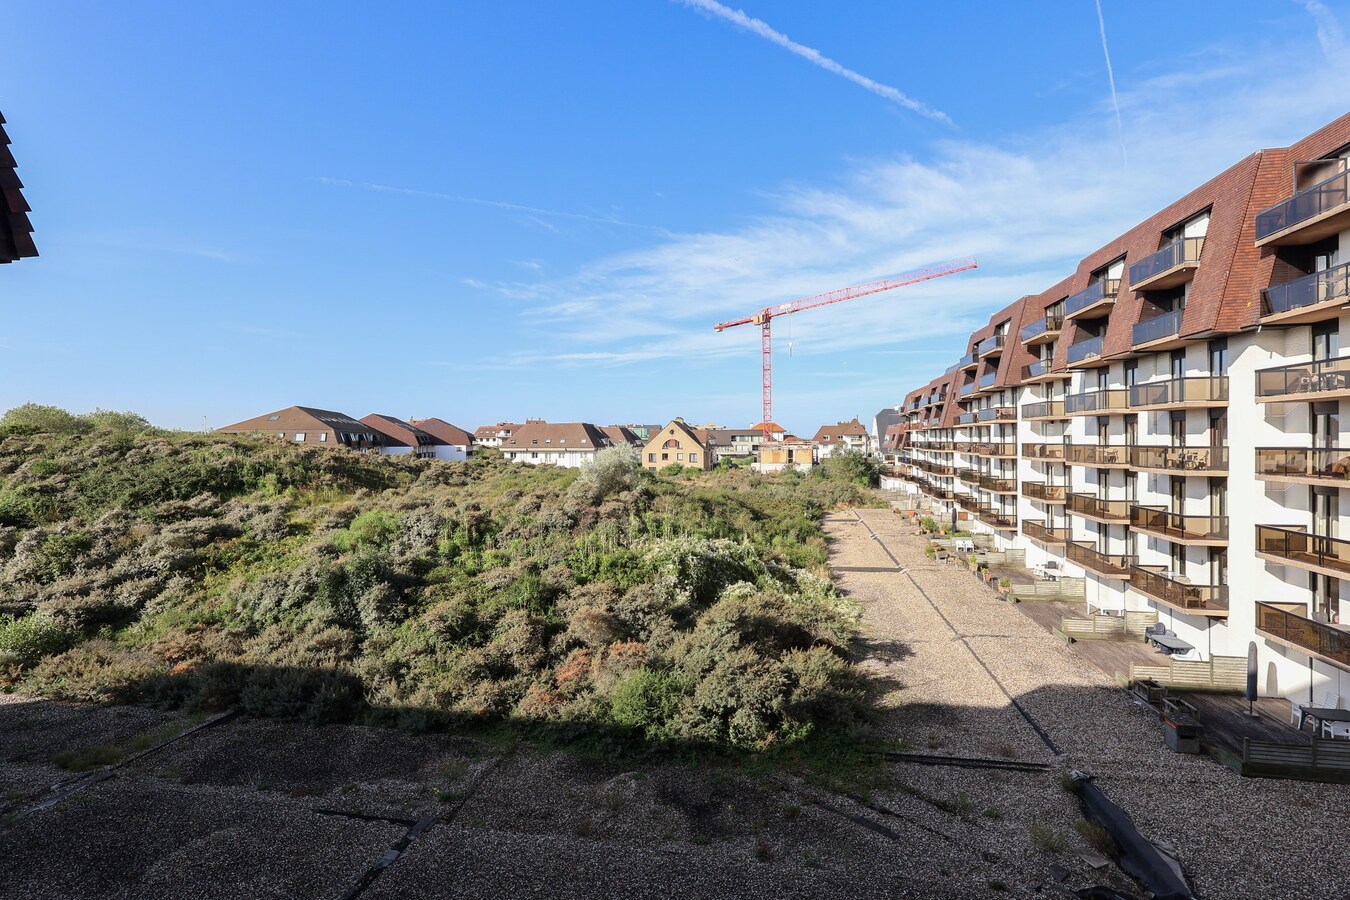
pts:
[494, 435]
[16, 233]
[566, 444]
[308, 425]
[678, 444]
[453, 436]
[622, 434]
[851, 435]
[403, 438]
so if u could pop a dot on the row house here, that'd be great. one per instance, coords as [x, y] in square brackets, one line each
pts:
[1167, 421]
[567, 444]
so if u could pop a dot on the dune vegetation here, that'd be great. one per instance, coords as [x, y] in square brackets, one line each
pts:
[209, 572]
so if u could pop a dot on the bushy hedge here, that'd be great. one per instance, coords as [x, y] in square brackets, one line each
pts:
[204, 571]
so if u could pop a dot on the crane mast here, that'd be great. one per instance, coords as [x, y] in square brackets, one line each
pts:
[764, 318]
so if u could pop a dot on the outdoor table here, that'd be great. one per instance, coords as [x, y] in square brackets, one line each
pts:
[1325, 714]
[1170, 643]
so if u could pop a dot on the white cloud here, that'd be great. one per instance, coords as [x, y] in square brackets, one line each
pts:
[815, 57]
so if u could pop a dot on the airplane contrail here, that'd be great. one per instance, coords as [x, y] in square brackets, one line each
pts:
[1111, 79]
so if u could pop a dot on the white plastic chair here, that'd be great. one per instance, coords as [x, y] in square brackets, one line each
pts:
[1296, 714]
[1336, 729]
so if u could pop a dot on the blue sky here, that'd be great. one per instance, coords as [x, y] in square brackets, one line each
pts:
[492, 211]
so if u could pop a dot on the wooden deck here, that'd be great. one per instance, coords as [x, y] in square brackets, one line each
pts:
[1223, 715]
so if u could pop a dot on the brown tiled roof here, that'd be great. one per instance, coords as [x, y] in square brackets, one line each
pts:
[303, 419]
[399, 433]
[452, 435]
[16, 232]
[491, 431]
[621, 434]
[852, 427]
[557, 436]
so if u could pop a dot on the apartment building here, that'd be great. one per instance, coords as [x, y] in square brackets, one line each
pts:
[1166, 422]
[406, 439]
[307, 425]
[567, 444]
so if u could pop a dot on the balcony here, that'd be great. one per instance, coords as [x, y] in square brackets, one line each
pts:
[1158, 332]
[1313, 298]
[1042, 331]
[1093, 301]
[1327, 379]
[965, 419]
[1036, 530]
[995, 485]
[1180, 460]
[1097, 403]
[996, 414]
[1044, 493]
[1326, 466]
[1044, 411]
[998, 519]
[1108, 512]
[1288, 624]
[1085, 353]
[967, 390]
[987, 380]
[969, 502]
[1107, 565]
[1181, 393]
[1310, 215]
[1098, 456]
[1199, 531]
[1171, 266]
[1040, 371]
[991, 345]
[994, 449]
[968, 361]
[1178, 593]
[1043, 452]
[1313, 552]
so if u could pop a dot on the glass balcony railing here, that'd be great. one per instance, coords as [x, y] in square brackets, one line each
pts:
[1045, 493]
[967, 390]
[987, 380]
[1179, 528]
[995, 484]
[1158, 328]
[1195, 391]
[1037, 531]
[994, 449]
[996, 414]
[991, 344]
[1312, 290]
[1291, 625]
[966, 418]
[1178, 593]
[1109, 565]
[1099, 292]
[1099, 508]
[970, 476]
[1097, 402]
[1041, 368]
[1330, 464]
[1177, 257]
[1306, 204]
[1101, 456]
[1085, 350]
[995, 517]
[1181, 460]
[1300, 548]
[1043, 452]
[1046, 409]
[1324, 377]
[1042, 328]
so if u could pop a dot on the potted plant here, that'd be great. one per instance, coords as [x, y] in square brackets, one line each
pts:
[1004, 585]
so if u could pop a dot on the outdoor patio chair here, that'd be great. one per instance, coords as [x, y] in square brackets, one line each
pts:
[1296, 714]
[1156, 628]
[1336, 729]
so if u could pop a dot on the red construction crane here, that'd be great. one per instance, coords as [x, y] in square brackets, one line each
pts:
[764, 317]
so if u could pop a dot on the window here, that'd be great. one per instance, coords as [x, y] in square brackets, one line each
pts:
[299, 435]
[671, 444]
[323, 436]
[534, 440]
[679, 457]
[651, 457]
[665, 457]
[273, 418]
[1218, 357]
[534, 456]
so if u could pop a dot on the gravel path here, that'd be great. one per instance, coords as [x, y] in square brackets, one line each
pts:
[1235, 837]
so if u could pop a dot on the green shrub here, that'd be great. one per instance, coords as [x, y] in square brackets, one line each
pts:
[646, 700]
[24, 641]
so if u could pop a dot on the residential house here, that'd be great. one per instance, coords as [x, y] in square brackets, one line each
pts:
[566, 444]
[678, 444]
[307, 425]
[1169, 422]
[402, 438]
[16, 232]
[622, 434]
[457, 439]
[494, 435]
[850, 435]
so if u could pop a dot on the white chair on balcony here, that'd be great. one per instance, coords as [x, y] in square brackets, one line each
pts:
[1336, 729]
[1296, 714]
